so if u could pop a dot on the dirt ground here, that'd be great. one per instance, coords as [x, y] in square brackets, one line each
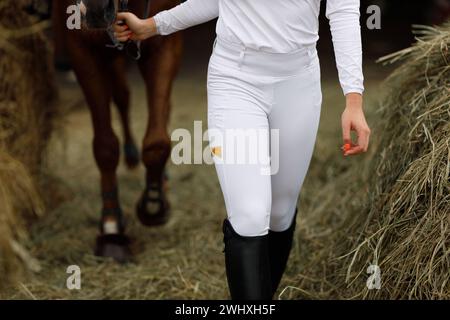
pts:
[183, 259]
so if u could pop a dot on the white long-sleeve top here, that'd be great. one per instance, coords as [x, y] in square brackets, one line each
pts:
[278, 26]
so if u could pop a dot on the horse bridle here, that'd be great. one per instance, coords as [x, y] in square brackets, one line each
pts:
[132, 48]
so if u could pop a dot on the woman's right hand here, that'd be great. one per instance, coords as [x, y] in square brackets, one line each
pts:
[129, 27]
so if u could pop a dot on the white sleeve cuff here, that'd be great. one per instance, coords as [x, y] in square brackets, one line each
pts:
[353, 90]
[159, 21]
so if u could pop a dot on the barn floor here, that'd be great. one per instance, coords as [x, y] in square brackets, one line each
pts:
[181, 260]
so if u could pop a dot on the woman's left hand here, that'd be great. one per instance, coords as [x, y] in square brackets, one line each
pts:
[353, 119]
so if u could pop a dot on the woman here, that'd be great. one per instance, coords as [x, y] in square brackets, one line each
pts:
[264, 73]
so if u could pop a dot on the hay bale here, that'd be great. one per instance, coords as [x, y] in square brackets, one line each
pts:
[26, 93]
[396, 215]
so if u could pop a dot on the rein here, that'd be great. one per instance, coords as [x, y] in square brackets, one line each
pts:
[132, 48]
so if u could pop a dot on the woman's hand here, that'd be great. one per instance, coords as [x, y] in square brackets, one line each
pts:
[353, 119]
[128, 26]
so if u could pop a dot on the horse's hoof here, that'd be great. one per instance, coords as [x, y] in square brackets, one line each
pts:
[132, 158]
[116, 246]
[153, 212]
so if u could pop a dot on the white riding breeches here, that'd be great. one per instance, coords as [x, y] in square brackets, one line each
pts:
[270, 103]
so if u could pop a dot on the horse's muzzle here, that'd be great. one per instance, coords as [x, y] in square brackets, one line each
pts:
[98, 17]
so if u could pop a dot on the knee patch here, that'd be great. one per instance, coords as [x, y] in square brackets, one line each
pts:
[250, 220]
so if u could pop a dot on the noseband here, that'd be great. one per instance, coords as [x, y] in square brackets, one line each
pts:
[132, 48]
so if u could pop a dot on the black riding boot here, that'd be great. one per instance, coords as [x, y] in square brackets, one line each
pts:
[280, 245]
[247, 265]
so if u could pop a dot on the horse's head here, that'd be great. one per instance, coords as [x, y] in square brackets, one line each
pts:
[99, 14]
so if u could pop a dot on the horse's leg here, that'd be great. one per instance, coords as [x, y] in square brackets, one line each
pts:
[158, 65]
[59, 35]
[91, 71]
[121, 97]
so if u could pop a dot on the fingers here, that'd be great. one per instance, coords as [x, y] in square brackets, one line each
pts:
[353, 119]
[348, 148]
[363, 138]
[122, 32]
[121, 22]
[362, 145]
[356, 149]
[124, 36]
[119, 28]
[122, 16]
[346, 129]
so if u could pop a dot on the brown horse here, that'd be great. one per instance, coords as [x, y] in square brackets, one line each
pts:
[100, 71]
